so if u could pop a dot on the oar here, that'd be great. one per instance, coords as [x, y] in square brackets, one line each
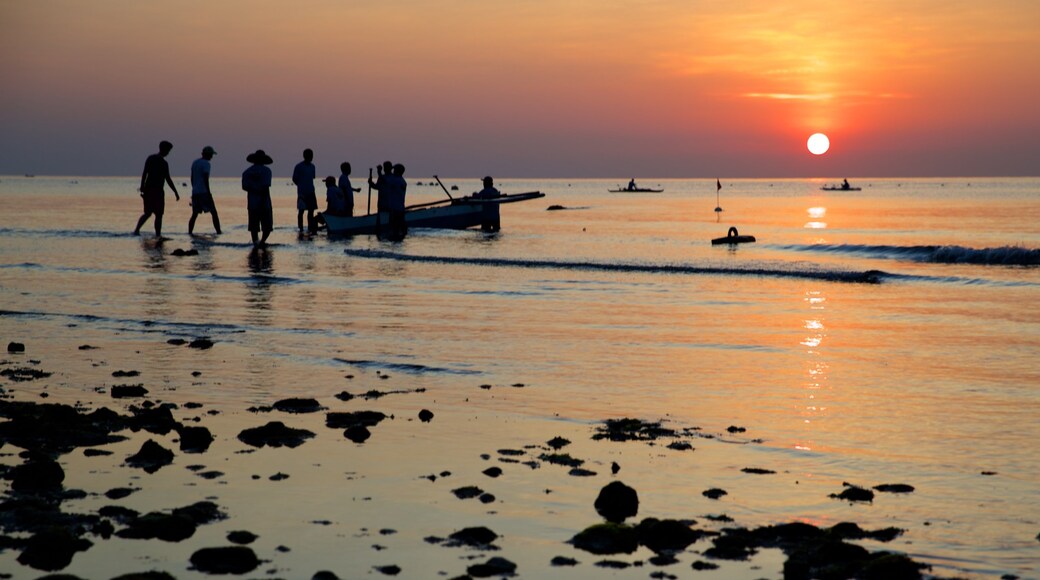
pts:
[442, 187]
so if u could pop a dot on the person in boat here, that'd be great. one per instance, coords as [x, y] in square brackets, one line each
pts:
[306, 200]
[489, 221]
[632, 184]
[156, 174]
[346, 188]
[845, 183]
[335, 198]
[201, 196]
[256, 181]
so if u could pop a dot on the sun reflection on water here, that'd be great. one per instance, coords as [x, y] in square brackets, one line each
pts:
[816, 369]
[816, 214]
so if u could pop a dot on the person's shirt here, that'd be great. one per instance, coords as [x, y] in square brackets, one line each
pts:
[488, 193]
[396, 187]
[334, 196]
[348, 191]
[156, 172]
[200, 176]
[303, 176]
[257, 182]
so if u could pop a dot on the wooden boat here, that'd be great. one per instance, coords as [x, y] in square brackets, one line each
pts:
[840, 188]
[453, 214]
[636, 190]
[733, 237]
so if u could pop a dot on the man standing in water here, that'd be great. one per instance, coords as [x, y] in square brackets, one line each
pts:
[306, 200]
[201, 196]
[156, 174]
[489, 220]
[256, 181]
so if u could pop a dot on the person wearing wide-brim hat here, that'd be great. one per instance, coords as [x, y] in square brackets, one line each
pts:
[256, 181]
[201, 196]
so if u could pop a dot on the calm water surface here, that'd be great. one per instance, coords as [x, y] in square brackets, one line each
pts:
[616, 306]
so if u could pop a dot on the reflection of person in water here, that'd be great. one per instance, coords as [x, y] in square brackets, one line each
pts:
[156, 174]
[489, 219]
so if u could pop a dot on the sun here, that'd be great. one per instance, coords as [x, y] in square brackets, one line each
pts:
[818, 144]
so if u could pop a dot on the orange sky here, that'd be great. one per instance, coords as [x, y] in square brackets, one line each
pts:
[531, 88]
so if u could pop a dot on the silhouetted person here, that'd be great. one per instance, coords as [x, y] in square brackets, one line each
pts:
[306, 200]
[346, 188]
[201, 196]
[256, 181]
[845, 183]
[156, 174]
[336, 203]
[379, 185]
[632, 184]
[395, 201]
[489, 220]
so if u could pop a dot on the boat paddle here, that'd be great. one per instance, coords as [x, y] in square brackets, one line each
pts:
[444, 188]
[369, 191]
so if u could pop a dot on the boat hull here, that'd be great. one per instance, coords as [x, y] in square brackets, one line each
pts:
[457, 214]
[637, 190]
[841, 188]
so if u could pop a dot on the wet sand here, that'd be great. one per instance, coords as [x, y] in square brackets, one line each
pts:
[108, 471]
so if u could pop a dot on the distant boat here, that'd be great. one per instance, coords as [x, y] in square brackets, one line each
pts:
[636, 190]
[452, 214]
[840, 188]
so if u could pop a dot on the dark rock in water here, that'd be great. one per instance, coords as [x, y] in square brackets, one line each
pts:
[13, 347]
[119, 492]
[201, 343]
[468, 492]
[96, 452]
[581, 472]
[887, 566]
[735, 546]
[680, 446]
[666, 535]
[324, 575]
[298, 405]
[894, 488]
[558, 442]
[852, 531]
[158, 420]
[854, 493]
[173, 527]
[152, 457]
[701, 565]
[486, 498]
[426, 415]
[632, 430]
[242, 537]
[492, 471]
[225, 560]
[128, 391]
[181, 252]
[177, 341]
[617, 501]
[555, 208]
[35, 476]
[121, 373]
[357, 433]
[194, 439]
[86, 347]
[561, 459]
[274, 434]
[52, 549]
[24, 374]
[735, 429]
[607, 538]
[494, 567]
[202, 512]
[563, 561]
[614, 467]
[713, 493]
[479, 537]
[279, 476]
[150, 575]
[341, 420]
[390, 570]
[758, 471]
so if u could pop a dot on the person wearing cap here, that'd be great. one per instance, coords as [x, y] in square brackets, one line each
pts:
[256, 181]
[489, 221]
[156, 174]
[306, 200]
[201, 196]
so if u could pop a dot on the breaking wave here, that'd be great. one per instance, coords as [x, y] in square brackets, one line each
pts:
[1002, 256]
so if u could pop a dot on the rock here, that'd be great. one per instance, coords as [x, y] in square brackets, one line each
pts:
[854, 493]
[478, 537]
[680, 446]
[701, 565]
[241, 537]
[128, 391]
[391, 570]
[758, 471]
[558, 442]
[324, 575]
[274, 434]
[177, 341]
[119, 492]
[492, 471]
[555, 207]
[298, 405]
[425, 415]
[194, 439]
[614, 467]
[225, 560]
[52, 549]
[494, 567]
[173, 527]
[735, 429]
[357, 433]
[713, 493]
[609, 538]
[892, 567]
[894, 488]
[563, 561]
[13, 347]
[341, 420]
[201, 343]
[152, 457]
[122, 374]
[581, 472]
[666, 535]
[468, 492]
[150, 575]
[617, 501]
[37, 476]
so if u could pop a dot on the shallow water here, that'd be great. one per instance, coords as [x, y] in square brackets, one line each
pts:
[617, 306]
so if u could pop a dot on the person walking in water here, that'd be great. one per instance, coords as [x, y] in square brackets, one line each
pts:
[256, 181]
[306, 200]
[201, 196]
[156, 174]
[489, 220]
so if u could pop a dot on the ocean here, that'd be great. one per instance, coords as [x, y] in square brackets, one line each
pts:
[881, 336]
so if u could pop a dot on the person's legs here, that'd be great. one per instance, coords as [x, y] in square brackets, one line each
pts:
[191, 222]
[299, 220]
[158, 225]
[140, 222]
[216, 220]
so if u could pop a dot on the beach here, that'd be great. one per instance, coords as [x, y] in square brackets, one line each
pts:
[859, 343]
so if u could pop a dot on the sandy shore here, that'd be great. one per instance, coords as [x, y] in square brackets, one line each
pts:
[107, 473]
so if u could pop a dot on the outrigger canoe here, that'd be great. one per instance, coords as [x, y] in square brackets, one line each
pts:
[636, 190]
[840, 188]
[454, 214]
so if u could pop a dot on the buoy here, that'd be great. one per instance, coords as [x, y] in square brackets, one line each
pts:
[733, 237]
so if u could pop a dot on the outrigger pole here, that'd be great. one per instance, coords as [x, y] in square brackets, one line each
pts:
[444, 188]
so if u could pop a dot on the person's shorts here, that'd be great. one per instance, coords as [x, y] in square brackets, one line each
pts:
[202, 203]
[154, 201]
[307, 200]
[261, 220]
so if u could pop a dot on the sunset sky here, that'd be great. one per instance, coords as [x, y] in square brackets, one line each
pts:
[529, 88]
